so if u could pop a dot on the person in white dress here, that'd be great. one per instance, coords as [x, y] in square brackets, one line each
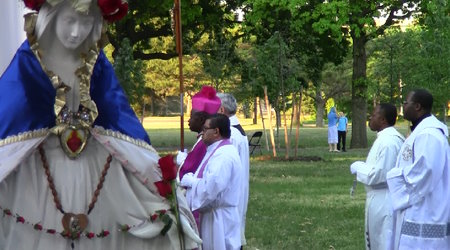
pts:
[420, 182]
[214, 188]
[332, 130]
[77, 169]
[240, 141]
[372, 173]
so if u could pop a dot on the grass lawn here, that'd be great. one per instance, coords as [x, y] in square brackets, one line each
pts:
[293, 204]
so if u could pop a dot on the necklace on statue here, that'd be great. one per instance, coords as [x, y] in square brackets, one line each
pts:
[73, 224]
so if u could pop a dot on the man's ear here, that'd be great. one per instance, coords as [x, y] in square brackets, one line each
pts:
[417, 106]
[221, 110]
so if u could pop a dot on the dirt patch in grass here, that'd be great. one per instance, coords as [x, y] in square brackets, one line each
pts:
[298, 158]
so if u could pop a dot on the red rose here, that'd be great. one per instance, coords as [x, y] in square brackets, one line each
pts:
[90, 235]
[38, 227]
[168, 167]
[109, 7]
[34, 4]
[51, 231]
[164, 188]
[113, 10]
[20, 219]
[162, 211]
[153, 217]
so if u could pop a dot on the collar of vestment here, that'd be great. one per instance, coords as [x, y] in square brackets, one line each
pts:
[431, 122]
[214, 145]
[234, 120]
[416, 122]
[389, 131]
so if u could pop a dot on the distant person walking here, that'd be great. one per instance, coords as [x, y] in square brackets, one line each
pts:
[420, 182]
[342, 131]
[332, 130]
[372, 173]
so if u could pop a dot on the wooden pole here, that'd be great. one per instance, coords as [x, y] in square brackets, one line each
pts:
[179, 48]
[299, 108]
[262, 120]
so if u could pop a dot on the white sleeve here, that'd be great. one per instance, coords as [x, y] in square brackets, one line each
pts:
[216, 177]
[374, 173]
[410, 184]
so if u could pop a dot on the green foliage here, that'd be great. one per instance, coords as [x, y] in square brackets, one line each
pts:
[273, 66]
[427, 61]
[414, 58]
[149, 21]
[130, 74]
[385, 67]
[219, 60]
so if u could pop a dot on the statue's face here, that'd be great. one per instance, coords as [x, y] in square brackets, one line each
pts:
[72, 28]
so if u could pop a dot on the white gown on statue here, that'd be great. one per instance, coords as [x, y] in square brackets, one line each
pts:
[122, 200]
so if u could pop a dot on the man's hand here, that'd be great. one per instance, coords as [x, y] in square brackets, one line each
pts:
[181, 156]
[188, 180]
[354, 166]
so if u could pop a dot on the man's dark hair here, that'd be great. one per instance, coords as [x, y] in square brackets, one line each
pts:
[389, 112]
[202, 115]
[424, 98]
[222, 122]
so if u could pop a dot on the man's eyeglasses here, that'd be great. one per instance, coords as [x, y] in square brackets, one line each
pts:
[206, 128]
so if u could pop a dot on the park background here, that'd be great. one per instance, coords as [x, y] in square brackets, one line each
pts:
[308, 56]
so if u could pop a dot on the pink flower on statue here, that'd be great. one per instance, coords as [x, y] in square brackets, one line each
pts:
[90, 235]
[20, 219]
[38, 227]
[103, 234]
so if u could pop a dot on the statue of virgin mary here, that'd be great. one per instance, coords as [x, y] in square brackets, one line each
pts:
[77, 170]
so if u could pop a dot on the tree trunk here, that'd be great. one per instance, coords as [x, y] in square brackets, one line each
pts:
[255, 111]
[359, 93]
[143, 111]
[297, 121]
[269, 113]
[152, 106]
[278, 124]
[320, 106]
[294, 112]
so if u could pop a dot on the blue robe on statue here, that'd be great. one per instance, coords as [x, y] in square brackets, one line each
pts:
[27, 98]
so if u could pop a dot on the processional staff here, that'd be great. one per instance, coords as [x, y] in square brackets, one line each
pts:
[179, 49]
